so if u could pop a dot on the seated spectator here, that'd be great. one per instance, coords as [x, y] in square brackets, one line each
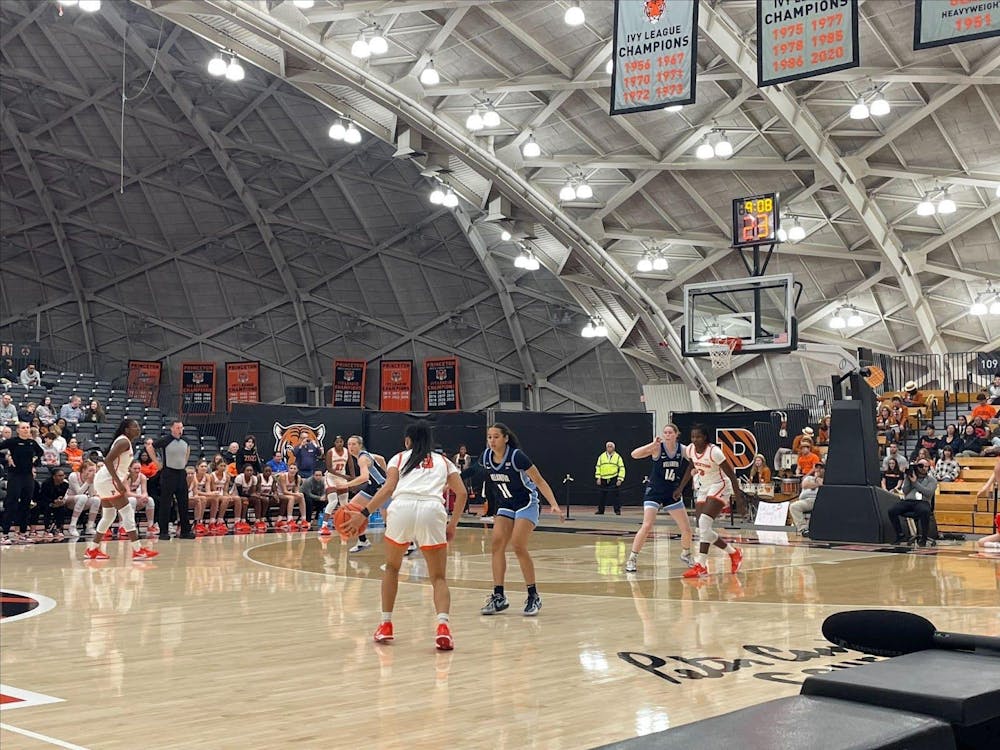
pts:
[94, 413]
[760, 472]
[924, 455]
[53, 509]
[45, 412]
[980, 427]
[807, 434]
[8, 376]
[994, 390]
[807, 459]
[972, 444]
[27, 414]
[807, 498]
[71, 413]
[30, 377]
[911, 395]
[900, 418]
[74, 454]
[983, 409]
[892, 475]
[951, 439]
[823, 433]
[918, 497]
[148, 466]
[8, 412]
[50, 456]
[893, 452]
[314, 489]
[59, 443]
[278, 464]
[947, 469]
[928, 440]
[884, 423]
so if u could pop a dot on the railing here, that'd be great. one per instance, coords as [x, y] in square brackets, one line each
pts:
[51, 359]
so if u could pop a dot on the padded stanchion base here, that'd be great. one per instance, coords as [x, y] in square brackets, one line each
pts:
[847, 513]
[803, 722]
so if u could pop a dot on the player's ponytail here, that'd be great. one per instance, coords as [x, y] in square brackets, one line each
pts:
[421, 444]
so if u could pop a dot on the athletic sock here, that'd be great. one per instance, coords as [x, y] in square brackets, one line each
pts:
[700, 558]
[136, 545]
[387, 617]
[443, 618]
[532, 591]
[498, 591]
[730, 549]
[633, 555]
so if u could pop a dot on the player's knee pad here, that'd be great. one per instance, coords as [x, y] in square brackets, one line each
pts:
[705, 531]
[330, 507]
[128, 518]
[107, 518]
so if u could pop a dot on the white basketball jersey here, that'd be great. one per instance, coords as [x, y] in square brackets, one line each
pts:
[427, 480]
[706, 468]
[338, 463]
[122, 463]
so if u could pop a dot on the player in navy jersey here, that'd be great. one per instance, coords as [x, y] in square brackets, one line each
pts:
[516, 483]
[368, 478]
[663, 491]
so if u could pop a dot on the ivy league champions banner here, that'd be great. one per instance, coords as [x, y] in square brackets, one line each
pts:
[655, 54]
[144, 381]
[805, 38]
[441, 384]
[242, 383]
[349, 382]
[396, 384]
[197, 387]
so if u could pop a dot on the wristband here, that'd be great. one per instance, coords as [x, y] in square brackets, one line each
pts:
[365, 512]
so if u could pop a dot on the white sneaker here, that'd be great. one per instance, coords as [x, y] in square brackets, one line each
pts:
[90, 529]
[630, 565]
[411, 549]
[360, 546]
[687, 558]
[74, 531]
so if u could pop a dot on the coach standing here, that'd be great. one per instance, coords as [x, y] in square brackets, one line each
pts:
[173, 481]
[609, 473]
[24, 454]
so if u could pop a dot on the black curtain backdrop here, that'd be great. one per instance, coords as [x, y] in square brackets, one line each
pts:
[384, 430]
[561, 444]
[259, 420]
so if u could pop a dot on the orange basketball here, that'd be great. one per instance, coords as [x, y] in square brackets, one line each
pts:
[342, 515]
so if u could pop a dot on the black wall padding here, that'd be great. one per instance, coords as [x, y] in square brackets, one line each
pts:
[561, 444]
[384, 430]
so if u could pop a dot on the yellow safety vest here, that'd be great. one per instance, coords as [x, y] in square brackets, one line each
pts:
[609, 467]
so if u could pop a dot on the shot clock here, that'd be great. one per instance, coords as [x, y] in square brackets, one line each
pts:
[755, 220]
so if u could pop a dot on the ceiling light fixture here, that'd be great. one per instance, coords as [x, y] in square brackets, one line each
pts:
[946, 205]
[925, 207]
[705, 150]
[474, 121]
[491, 118]
[360, 48]
[567, 192]
[609, 68]
[377, 44]
[574, 15]
[217, 65]
[90, 6]
[675, 108]
[303, 4]
[437, 195]
[796, 232]
[838, 322]
[986, 302]
[584, 191]
[854, 319]
[860, 110]
[723, 148]
[429, 75]
[235, 71]
[337, 131]
[879, 106]
[504, 235]
[450, 199]
[531, 149]
[660, 262]
[352, 135]
[645, 264]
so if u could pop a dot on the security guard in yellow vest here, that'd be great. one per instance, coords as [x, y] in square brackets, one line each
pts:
[609, 473]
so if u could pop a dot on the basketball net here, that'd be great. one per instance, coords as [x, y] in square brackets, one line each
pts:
[721, 351]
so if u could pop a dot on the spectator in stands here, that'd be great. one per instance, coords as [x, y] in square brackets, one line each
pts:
[807, 498]
[947, 469]
[30, 377]
[463, 459]
[314, 490]
[8, 376]
[760, 472]
[823, 433]
[53, 509]
[972, 444]
[74, 454]
[994, 390]
[609, 473]
[911, 395]
[900, 417]
[892, 475]
[983, 409]
[951, 439]
[918, 497]
[94, 413]
[50, 456]
[27, 413]
[71, 413]
[45, 412]
[278, 464]
[893, 452]
[924, 455]
[928, 440]
[148, 466]
[307, 455]
[884, 423]
[248, 454]
[807, 459]
[806, 434]
[8, 412]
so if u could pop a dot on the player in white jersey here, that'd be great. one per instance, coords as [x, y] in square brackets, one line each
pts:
[416, 480]
[714, 485]
[109, 486]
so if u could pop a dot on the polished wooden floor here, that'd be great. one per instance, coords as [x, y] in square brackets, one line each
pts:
[265, 641]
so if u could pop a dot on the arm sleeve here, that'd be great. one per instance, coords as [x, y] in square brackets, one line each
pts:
[161, 443]
[520, 460]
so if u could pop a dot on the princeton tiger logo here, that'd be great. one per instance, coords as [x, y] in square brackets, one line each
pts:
[738, 444]
[654, 10]
[286, 438]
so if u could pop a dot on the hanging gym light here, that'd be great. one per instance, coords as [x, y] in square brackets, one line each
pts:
[531, 149]
[574, 15]
[235, 71]
[217, 65]
[567, 192]
[723, 148]
[705, 150]
[90, 6]
[925, 207]
[474, 122]
[360, 48]
[645, 264]
[583, 191]
[352, 135]
[303, 4]
[337, 131]
[377, 44]
[429, 75]
[860, 110]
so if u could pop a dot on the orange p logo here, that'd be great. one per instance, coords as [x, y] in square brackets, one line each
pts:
[738, 444]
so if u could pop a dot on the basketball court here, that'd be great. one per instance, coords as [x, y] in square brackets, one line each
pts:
[272, 634]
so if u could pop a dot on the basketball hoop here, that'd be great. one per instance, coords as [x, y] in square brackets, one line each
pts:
[722, 349]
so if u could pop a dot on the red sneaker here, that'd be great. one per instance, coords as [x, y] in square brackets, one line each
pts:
[122, 534]
[109, 536]
[243, 528]
[260, 527]
[325, 531]
[96, 554]
[153, 530]
[698, 571]
[281, 526]
[443, 640]
[736, 559]
[383, 634]
[220, 529]
[304, 526]
[200, 529]
[144, 554]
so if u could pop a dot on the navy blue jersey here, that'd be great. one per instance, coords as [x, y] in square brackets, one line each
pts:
[376, 477]
[513, 486]
[667, 472]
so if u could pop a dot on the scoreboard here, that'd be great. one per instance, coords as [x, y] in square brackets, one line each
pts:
[755, 220]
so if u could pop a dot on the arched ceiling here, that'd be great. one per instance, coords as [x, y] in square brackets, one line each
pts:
[854, 184]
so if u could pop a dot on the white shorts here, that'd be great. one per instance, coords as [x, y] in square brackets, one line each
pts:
[423, 521]
[104, 487]
[722, 492]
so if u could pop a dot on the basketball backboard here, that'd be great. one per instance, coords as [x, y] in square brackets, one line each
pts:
[759, 311]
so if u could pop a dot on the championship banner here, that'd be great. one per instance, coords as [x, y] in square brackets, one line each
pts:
[197, 387]
[242, 383]
[349, 382]
[441, 384]
[144, 381]
[396, 385]
[655, 54]
[805, 38]
[940, 22]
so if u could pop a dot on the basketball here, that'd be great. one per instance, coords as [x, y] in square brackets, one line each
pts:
[341, 517]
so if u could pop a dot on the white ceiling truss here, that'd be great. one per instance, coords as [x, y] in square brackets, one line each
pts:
[853, 184]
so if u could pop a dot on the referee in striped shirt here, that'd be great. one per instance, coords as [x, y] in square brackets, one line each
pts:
[173, 481]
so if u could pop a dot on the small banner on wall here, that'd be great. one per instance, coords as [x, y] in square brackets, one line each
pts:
[396, 384]
[805, 38]
[441, 384]
[655, 54]
[144, 381]
[242, 383]
[349, 382]
[197, 387]
[940, 22]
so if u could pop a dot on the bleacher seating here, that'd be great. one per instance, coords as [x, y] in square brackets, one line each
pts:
[956, 506]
